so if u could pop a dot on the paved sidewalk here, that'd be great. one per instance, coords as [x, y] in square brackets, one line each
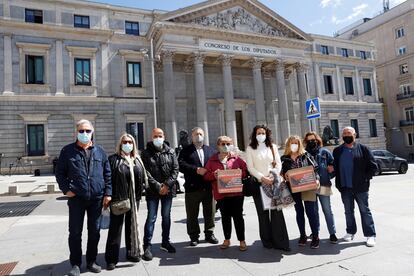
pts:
[27, 184]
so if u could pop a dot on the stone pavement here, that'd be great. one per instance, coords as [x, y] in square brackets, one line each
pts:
[38, 242]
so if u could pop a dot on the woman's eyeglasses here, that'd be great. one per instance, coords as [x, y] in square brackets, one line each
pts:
[127, 142]
[225, 144]
[85, 130]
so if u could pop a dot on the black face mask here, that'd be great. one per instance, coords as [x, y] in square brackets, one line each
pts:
[348, 139]
[311, 144]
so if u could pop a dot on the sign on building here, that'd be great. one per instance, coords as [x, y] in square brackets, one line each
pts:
[313, 109]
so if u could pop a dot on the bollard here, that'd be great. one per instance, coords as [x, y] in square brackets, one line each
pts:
[12, 190]
[50, 189]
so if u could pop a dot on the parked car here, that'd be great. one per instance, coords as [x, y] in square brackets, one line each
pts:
[387, 161]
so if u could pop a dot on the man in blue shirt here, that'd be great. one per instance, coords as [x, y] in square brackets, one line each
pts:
[354, 167]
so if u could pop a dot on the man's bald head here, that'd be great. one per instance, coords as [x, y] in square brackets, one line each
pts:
[157, 133]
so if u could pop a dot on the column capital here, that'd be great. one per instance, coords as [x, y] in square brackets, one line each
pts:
[188, 64]
[287, 73]
[226, 60]
[279, 64]
[198, 58]
[158, 66]
[167, 56]
[268, 72]
[300, 67]
[256, 63]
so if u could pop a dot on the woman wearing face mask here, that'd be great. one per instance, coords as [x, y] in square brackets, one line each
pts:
[129, 178]
[230, 205]
[262, 156]
[295, 157]
[325, 161]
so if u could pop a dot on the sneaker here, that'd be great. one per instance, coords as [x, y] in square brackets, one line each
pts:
[75, 271]
[134, 259]
[315, 242]
[333, 239]
[147, 254]
[348, 237]
[110, 266]
[94, 267]
[371, 241]
[167, 247]
[212, 239]
[302, 240]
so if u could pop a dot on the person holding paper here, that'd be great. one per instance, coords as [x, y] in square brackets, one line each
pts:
[230, 204]
[296, 157]
[262, 157]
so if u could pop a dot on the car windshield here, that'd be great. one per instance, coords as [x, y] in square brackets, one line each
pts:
[378, 153]
[388, 154]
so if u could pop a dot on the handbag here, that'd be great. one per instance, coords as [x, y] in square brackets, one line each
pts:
[251, 186]
[120, 207]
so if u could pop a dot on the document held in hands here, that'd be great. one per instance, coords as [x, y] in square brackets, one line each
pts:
[229, 181]
[302, 179]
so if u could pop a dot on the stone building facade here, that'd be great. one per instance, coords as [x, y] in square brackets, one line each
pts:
[224, 65]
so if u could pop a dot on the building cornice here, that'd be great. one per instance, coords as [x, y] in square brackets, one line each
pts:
[318, 57]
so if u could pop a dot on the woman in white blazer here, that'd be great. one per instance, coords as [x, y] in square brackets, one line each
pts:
[260, 161]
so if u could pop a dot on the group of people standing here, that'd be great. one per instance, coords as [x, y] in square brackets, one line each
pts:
[93, 182]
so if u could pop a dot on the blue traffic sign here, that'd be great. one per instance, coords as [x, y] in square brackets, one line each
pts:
[313, 109]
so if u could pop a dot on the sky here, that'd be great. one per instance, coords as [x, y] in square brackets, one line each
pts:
[312, 16]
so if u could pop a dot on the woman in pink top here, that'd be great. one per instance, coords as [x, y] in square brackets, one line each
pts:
[230, 205]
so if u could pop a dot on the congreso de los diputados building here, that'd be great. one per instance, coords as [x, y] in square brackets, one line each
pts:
[223, 65]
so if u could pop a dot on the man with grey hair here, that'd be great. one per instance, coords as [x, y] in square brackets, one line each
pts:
[354, 167]
[84, 176]
[192, 160]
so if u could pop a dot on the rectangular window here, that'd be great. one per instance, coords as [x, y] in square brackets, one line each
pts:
[367, 87]
[399, 32]
[136, 129]
[327, 80]
[34, 16]
[409, 114]
[349, 86]
[373, 128]
[324, 50]
[134, 74]
[354, 124]
[406, 90]
[81, 21]
[402, 51]
[82, 71]
[410, 139]
[363, 54]
[35, 140]
[34, 70]
[404, 69]
[335, 127]
[132, 28]
[344, 52]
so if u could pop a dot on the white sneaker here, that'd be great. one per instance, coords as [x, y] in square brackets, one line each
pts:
[348, 237]
[371, 241]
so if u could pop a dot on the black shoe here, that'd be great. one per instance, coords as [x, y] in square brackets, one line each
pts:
[212, 239]
[75, 271]
[168, 248]
[310, 237]
[302, 240]
[315, 242]
[285, 249]
[333, 239]
[147, 254]
[134, 259]
[194, 242]
[94, 267]
[110, 266]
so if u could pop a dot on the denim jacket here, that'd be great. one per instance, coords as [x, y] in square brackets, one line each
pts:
[324, 158]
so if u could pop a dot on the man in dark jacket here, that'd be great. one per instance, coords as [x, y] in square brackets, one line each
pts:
[354, 167]
[162, 164]
[84, 176]
[192, 160]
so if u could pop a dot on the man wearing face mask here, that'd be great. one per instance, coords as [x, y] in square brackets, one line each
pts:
[84, 176]
[162, 164]
[192, 160]
[354, 167]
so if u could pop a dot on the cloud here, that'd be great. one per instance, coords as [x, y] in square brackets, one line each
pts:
[357, 11]
[334, 3]
[317, 22]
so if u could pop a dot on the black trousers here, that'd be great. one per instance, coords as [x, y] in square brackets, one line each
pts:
[272, 226]
[192, 207]
[232, 207]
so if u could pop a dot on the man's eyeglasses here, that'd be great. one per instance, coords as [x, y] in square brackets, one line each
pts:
[127, 142]
[85, 130]
[225, 144]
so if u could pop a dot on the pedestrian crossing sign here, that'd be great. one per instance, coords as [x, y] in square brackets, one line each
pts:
[313, 109]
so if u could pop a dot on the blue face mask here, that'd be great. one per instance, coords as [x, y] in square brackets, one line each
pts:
[158, 142]
[226, 149]
[127, 148]
[84, 138]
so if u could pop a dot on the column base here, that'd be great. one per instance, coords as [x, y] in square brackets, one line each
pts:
[60, 94]
[8, 93]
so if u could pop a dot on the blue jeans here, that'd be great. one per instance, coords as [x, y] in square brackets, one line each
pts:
[310, 208]
[77, 209]
[327, 211]
[152, 206]
[348, 198]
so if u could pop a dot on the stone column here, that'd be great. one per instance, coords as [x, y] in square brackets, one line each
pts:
[359, 87]
[8, 66]
[300, 71]
[169, 99]
[318, 80]
[200, 97]
[339, 84]
[272, 103]
[59, 68]
[256, 64]
[284, 121]
[105, 69]
[374, 85]
[230, 116]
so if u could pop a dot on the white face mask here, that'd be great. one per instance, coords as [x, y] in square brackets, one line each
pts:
[261, 138]
[127, 148]
[158, 142]
[198, 139]
[294, 147]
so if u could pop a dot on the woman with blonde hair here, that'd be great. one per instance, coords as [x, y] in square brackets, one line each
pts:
[129, 179]
[295, 156]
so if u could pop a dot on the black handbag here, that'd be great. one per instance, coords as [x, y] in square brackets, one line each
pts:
[251, 187]
[120, 207]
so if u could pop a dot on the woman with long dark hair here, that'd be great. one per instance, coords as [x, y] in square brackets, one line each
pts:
[262, 157]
